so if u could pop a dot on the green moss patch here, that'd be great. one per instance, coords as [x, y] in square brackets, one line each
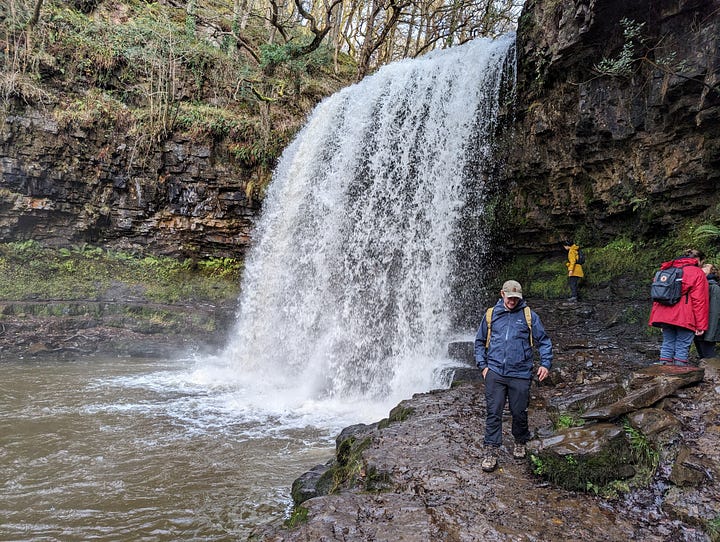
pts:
[29, 271]
[299, 516]
[627, 461]
[584, 473]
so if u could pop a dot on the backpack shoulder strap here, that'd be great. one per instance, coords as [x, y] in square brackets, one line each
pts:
[528, 319]
[488, 319]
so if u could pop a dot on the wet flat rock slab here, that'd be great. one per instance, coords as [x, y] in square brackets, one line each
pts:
[439, 492]
[645, 388]
[434, 488]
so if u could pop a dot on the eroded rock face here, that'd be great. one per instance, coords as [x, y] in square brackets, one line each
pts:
[580, 441]
[604, 155]
[645, 388]
[97, 185]
[659, 426]
[589, 153]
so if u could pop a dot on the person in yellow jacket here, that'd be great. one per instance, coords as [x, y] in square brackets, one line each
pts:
[575, 270]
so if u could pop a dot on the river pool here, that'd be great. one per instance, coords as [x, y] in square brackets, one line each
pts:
[128, 449]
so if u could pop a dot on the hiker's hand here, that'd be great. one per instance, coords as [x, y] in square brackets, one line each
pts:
[699, 331]
[570, 273]
[485, 370]
[542, 373]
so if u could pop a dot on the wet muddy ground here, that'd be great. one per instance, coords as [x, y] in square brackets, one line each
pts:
[71, 329]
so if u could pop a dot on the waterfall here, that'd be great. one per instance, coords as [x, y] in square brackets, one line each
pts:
[348, 290]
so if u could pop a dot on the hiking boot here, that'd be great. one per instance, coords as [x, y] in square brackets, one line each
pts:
[572, 299]
[519, 451]
[489, 462]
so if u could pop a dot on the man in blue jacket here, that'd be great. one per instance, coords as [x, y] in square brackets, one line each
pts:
[504, 353]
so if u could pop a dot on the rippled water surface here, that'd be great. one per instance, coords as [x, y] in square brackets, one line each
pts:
[136, 450]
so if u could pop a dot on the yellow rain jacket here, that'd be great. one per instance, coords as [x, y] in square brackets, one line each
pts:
[574, 268]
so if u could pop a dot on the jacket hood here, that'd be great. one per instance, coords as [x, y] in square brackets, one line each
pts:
[680, 262]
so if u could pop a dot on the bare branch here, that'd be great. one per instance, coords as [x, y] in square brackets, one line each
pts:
[274, 19]
[319, 33]
[36, 14]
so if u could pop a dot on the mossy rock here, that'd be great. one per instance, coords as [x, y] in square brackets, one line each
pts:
[585, 472]
[299, 516]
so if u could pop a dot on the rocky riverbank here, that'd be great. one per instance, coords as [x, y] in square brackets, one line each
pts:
[109, 328]
[418, 477]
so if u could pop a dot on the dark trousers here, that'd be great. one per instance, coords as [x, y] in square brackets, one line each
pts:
[573, 283]
[516, 391]
[705, 349]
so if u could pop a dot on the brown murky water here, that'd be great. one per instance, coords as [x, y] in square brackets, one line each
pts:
[130, 450]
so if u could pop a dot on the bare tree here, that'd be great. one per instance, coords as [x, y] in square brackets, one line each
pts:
[382, 18]
[373, 32]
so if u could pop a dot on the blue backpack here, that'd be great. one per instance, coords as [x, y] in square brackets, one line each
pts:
[666, 287]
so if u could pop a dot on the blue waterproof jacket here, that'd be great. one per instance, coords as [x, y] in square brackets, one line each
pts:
[510, 353]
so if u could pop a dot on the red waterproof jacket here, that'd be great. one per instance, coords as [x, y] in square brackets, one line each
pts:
[691, 312]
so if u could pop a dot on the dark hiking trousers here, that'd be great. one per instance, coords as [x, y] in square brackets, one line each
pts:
[573, 282]
[705, 349]
[516, 391]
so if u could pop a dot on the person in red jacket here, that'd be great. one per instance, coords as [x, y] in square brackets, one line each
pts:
[681, 322]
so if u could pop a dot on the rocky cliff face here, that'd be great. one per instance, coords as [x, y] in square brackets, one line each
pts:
[98, 185]
[596, 153]
[633, 147]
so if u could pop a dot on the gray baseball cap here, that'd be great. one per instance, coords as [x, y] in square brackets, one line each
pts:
[512, 288]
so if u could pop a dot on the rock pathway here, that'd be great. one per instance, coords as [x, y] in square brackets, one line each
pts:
[433, 489]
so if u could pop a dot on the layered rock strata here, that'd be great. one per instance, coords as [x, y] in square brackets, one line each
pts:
[616, 129]
[64, 186]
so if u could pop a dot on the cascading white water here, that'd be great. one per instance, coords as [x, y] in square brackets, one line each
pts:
[347, 292]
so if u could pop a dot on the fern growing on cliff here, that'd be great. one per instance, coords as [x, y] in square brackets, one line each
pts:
[706, 230]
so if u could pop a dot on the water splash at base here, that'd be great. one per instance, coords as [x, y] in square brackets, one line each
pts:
[347, 293]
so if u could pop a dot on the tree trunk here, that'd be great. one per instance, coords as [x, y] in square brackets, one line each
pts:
[36, 14]
[367, 46]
